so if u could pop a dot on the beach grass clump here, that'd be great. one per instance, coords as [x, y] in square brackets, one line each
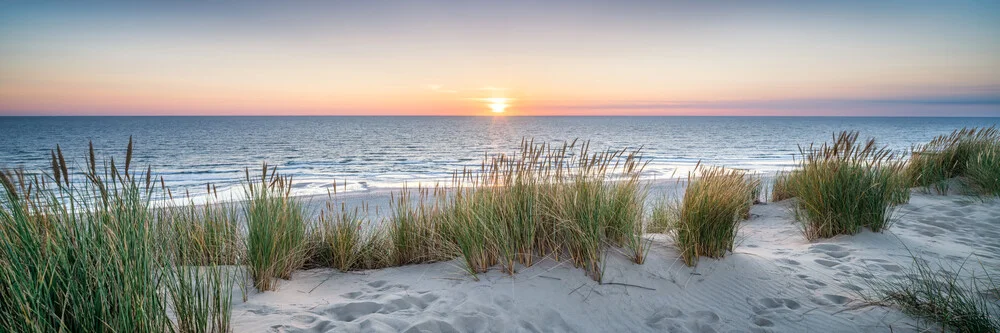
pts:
[845, 186]
[277, 227]
[344, 240]
[83, 256]
[950, 298]
[469, 225]
[781, 189]
[949, 156]
[982, 172]
[414, 227]
[200, 297]
[201, 246]
[663, 216]
[715, 200]
[598, 202]
[74, 264]
[547, 201]
[581, 217]
[206, 234]
[627, 221]
[495, 215]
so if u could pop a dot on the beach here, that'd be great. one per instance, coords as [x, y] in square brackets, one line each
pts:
[774, 281]
[552, 238]
[499, 166]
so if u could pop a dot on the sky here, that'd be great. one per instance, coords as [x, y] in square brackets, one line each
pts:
[799, 58]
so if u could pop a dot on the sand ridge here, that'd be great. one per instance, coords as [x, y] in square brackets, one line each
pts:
[775, 281]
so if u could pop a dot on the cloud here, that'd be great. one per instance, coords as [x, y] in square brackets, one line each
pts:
[780, 104]
[964, 100]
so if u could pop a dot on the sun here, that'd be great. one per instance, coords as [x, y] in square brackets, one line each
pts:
[498, 104]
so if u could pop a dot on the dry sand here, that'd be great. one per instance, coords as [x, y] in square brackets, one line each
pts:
[774, 281]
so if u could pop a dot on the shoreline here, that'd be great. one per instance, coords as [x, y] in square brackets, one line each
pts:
[559, 229]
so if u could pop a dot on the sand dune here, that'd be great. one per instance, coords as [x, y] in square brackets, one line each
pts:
[775, 281]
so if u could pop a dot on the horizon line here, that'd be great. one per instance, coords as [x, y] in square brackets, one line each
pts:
[487, 116]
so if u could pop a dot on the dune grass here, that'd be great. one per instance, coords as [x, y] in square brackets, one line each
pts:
[339, 239]
[663, 216]
[200, 297]
[950, 156]
[84, 256]
[942, 296]
[845, 186]
[276, 241]
[781, 189]
[95, 254]
[206, 234]
[414, 227]
[557, 201]
[715, 200]
[982, 172]
[201, 246]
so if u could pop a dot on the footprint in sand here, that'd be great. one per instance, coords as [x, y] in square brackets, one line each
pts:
[352, 311]
[788, 261]
[377, 284]
[767, 310]
[831, 250]
[664, 317]
[811, 284]
[671, 319]
[829, 300]
[826, 263]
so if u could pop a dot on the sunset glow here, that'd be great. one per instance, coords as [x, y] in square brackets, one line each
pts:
[498, 105]
[553, 58]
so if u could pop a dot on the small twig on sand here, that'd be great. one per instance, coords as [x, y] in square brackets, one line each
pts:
[451, 278]
[549, 277]
[627, 285]
[321, 283]
[577, 288]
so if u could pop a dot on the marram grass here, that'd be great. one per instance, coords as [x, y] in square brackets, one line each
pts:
[339, 238]
[87, 250]
[715, 200]
[206, 234]
[845, 186]
[91, 247]
[276, 228]
[555, 201]
[781, 188]
[960, 154]
[82, 255]
[413, 227]
[948, 298]
[982, 172]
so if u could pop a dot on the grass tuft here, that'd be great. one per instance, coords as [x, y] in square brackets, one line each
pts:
[714, 203]
[982, 172]
[207, 234]
[413, 227]
[942, 296]
[87, 257]
[548, 201]
[845, 186]
[276, 229]
[955, 155]
[782, 190]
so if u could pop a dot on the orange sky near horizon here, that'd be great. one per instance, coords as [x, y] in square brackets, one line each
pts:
[557, 58]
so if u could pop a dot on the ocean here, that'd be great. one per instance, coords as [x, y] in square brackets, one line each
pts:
[383, 152]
